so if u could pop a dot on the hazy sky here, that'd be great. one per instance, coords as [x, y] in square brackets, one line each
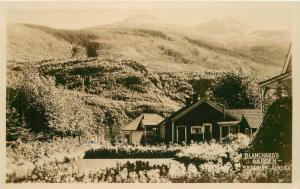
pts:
[76, 15]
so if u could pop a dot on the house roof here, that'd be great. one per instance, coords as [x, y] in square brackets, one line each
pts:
[288, 60]
[253, 116]
[133, 125]
[146, 118]
[275, 79]
[286, 72]
[190, 107]
[152, 119]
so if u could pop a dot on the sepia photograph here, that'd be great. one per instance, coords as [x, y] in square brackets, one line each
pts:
[149, 92]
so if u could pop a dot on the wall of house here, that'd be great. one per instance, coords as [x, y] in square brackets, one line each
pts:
[162, 132]
[136, 137]
[243, 125]
[204, 113]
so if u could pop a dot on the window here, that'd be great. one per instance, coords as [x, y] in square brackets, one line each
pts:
[247, 131]
[233, 129]
[196, 130]
[151, 132]
[128, 138]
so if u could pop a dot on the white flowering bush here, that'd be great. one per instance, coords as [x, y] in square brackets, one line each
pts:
[23, 158]
[177, 171]
[227, 150]
[26, 168]
[203, 152]
[56, 162]
[237, 141]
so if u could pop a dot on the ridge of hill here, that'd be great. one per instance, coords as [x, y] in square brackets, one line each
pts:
[29, 44]
[160, 51]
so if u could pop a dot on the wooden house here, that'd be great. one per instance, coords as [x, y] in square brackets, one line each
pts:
[202, 120]
[143, 129]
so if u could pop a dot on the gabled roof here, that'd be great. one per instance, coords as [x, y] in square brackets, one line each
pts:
[152, 119]
[190, 107]
[148, 119]
[286, 72]
[133, 125]
[288, 61]
[252, 116]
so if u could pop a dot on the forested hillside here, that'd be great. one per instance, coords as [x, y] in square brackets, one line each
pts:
[76, 96]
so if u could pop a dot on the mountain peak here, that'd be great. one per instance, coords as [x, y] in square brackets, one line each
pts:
[224, 26]
[142, 19]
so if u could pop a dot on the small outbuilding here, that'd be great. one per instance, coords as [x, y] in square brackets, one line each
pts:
[143, 129]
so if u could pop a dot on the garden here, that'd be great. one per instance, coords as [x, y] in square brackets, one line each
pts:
[197, 163]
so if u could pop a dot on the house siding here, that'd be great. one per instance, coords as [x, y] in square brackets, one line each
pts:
[203, 113]
[162, 132]
[136, 137]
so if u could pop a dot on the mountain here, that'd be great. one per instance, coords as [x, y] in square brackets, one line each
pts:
[223, 26]
[140, 20]
[231, 34]
[158, 49]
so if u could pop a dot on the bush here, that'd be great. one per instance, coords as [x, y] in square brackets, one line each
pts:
[275, 134]
[234, 91]
[226, 151]
[91, 49]
[124, 151]
[47, 108]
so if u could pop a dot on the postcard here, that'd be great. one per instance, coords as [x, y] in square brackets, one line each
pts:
[150, 92]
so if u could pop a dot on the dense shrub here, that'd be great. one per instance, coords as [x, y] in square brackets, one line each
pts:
[275, 134]
[125, 151]
[91, 48]
[234, 91]
[45, 107]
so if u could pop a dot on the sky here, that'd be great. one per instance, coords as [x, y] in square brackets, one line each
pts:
[76, 15]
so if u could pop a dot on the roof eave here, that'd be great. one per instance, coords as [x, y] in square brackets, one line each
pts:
[274, 79]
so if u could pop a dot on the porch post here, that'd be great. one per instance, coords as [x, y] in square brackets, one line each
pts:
[173, 132]
[261, 91]
[185, 135]
[220, 132]
[176, 134]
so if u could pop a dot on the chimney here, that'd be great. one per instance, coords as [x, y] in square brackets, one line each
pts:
[188, 101]
[195, 98]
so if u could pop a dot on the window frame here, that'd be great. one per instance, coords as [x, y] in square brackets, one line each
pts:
[195, 127]
[236, 127]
